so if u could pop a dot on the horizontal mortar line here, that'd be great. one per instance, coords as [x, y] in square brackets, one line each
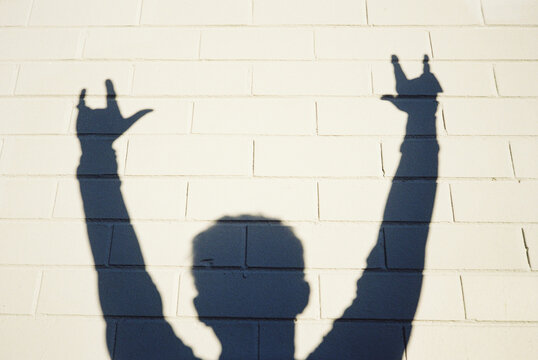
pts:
[390, 137]
[303, 321]
[306, 221]
[142, 60]
[276, 25]
[319, 97]
[241, 223]
[264, 179]
[183, 269]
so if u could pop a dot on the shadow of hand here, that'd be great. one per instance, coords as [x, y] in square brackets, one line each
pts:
[107, 121]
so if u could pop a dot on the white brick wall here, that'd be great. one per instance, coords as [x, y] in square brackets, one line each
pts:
[261, 176]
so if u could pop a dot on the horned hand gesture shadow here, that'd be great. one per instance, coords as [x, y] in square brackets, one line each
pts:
[105, 121]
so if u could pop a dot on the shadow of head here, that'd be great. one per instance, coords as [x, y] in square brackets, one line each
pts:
[252, 289]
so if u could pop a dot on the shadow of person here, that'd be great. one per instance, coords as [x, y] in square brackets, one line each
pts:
[251, 292]
[122, 292]
[393, 296]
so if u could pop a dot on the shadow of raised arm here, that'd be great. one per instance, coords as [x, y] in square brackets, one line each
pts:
[382, 294]
[130, 301]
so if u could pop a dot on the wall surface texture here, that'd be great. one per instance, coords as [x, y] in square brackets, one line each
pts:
[269, 179]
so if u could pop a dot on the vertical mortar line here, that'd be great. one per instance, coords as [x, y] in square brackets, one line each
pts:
[16, 79]
[366, 12]
[512, 159]
[495, 80]
[37, 292]
[252, 12]
[319, 295]
[81, 45]
[405, 340]
[371, 80]
[27, 22]
[314, 44]
[463, 298]
[317, 117]
[259, 339]
[55, 198]
[115, 338]
[124, 170]
[110, 245]
[200, 45]
[253, 155]
[381, 154]
[192, 117]
[526, 248]
[483, 18]
[444, 118]
[245, 265]
[186, 200]
[384, 239]
[452, 203]
[317, 194]
[431, 43]
[140, 11]
[251, 79]
[131, 85]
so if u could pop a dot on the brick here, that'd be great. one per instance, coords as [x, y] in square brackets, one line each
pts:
[458, 157]
[491, 116]
[501, 297]
[144, 198]
[16, 195]
[495, 342]
[142, 43]
[8, 75]
[143, 339]
[196, 78]
[81, 13]
[531, 244]
[455, 247]
[262, 199]
[14, 12]
[19, 289]
[168, 116]
[495, 201]
[172, 244]
[456, 78]
[26, 155]
[517, 78]
[54, 338]
[257, 43]
[515, 12]
[34, 115]
[483, 43]
[311, 78]
[424, 12]
[391, 296]
[370, 43]
[364, 200]
[344, 340]
[195, 12]
[338, 12]
[53, 243]
[524, 154]
[277, 246]
[255, 116]
[316, 156]
[56, 78]
[39, 44]
[123, 292]
[252, 294]
[376, 117]
[189, 155]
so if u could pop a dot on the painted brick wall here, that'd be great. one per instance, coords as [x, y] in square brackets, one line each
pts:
[291, 193]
